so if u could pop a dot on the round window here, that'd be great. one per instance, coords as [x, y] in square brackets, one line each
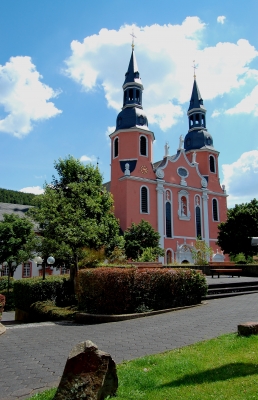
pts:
[182, 172]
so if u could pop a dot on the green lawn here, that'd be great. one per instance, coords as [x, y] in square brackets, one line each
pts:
[223, 368]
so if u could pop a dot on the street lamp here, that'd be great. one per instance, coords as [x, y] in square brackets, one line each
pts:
[39, 261]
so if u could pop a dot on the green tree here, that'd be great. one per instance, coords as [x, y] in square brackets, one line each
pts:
[75, 211]
[201, 252]
[139, 237]
[18, 240]
[235, 234]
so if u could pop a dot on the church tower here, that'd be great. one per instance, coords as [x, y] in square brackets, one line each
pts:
[131, 151]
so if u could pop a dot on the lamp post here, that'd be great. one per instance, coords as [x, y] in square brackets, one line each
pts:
[39, 261]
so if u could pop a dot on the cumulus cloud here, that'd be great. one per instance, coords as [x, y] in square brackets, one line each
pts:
[241, 177]
[165, 55]
[221, 19]
[88, 159]
[110, 129]
[248, 105]
[32, 189]
[24, 98]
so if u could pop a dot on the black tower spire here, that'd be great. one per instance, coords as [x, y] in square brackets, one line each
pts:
[132, 114]
[197, 137]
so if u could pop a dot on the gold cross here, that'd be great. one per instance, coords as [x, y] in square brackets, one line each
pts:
[133, 36]
[195, 68]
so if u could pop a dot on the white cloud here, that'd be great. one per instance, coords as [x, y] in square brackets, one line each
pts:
[215, 113]
[165, 57]
[221, 19]
[88, 159]
[25, 99]
[241, 177]
[32, 189]
[249, 104]
[110, 129]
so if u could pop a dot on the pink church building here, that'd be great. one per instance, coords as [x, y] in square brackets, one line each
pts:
[180, 195]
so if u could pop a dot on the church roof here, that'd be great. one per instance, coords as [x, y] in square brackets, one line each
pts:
[196, 98]
[132, 74]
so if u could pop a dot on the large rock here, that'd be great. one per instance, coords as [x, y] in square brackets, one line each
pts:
[248, 328]
[89, 374]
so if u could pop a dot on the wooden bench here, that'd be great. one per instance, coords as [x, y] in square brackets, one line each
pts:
[229, 271]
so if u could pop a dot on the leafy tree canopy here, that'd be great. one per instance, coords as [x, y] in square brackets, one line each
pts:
[139, 237]
[17, 238]
[75, 212]
[235, 234]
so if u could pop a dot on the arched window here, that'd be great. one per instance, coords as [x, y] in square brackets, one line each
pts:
[169, 256]
[198, 221]
[168, 220]
[144, 200]
[143, 146]
[116, 147]
[212, 164]
[215, 210]
[130, 94]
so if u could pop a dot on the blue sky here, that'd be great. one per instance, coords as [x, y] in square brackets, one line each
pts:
[62, 66]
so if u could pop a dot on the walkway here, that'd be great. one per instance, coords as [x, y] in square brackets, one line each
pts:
[32, 356]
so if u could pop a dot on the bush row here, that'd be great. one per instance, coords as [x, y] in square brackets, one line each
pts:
[48, 311]
[119, 291]
[57, 289]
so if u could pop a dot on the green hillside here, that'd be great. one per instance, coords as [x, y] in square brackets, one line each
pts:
[12, 196]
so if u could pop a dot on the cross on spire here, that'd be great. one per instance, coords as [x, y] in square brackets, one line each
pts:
[195, 68]
[133, 36]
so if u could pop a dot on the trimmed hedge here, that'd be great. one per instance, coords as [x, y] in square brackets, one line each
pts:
[48, 311]
[54, 288]
[128, 290]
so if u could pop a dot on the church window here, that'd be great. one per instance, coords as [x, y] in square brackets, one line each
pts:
[198, 222]
[144, 200]
[26, 270]
[116, 147]
[197, 119]
[212, 164]
[203, 120]
[168, 220]
[215, 211]
[143, 146]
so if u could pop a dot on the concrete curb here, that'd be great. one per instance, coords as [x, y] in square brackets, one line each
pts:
[2, 329]
[85, 318]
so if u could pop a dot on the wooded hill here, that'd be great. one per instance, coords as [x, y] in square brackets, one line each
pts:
[15, 197]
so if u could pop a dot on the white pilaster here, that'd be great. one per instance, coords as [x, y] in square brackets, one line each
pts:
[205, 216]
[160, 214]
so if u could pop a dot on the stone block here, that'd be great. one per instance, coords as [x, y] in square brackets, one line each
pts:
[248, 328]
[88, 374]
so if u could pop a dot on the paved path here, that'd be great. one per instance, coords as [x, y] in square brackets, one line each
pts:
[32, 356]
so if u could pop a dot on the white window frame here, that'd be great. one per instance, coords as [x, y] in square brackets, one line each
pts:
[214, 220]
[147, 146]
[148, 200]
[116, 138]
[170, 200]
[211, 155]
[200, 206]
[26, 269]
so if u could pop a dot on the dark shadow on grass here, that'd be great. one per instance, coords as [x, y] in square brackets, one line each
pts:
[228, 371]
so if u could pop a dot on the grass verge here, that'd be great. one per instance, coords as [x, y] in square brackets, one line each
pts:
[224, 368]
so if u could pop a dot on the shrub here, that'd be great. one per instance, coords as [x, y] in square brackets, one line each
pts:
[54, 288]
[2, 300]
[9, 305]
[48, 311]
[4, 283]
[126, 290]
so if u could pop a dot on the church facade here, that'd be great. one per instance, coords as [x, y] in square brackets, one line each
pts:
[180, 195]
